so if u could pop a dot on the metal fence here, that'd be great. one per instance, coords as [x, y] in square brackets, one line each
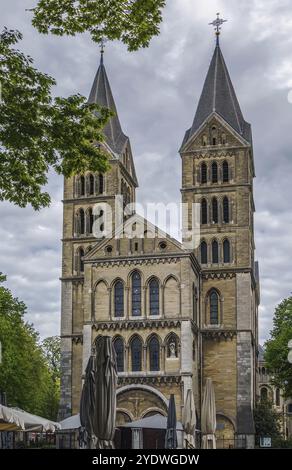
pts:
[236, 443]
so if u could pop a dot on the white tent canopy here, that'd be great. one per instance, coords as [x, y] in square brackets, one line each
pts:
[73, 422]
[152, 422]
[14, 419]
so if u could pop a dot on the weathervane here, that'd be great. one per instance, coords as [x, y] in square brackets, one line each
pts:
[217, 26]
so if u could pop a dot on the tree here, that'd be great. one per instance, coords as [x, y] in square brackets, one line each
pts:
[276, 348]
[38, 132]
[134, 22]
[267, 421]
[24, 373]
[52, 350]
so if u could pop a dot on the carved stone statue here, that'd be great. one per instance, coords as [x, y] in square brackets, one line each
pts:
[172, 349]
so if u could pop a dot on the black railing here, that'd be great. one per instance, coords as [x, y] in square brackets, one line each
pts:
[236, 443]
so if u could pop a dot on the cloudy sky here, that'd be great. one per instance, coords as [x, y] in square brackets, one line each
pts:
[156, 92]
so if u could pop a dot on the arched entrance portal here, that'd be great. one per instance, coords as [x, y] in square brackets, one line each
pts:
[225, 438]
[140, 401]
[136, 402]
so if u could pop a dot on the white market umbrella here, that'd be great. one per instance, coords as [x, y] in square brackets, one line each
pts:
[208, 421]
[189, 419]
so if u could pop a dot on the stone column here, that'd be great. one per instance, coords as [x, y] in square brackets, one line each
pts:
[245, 360]
[66, 350]
[186, 356]
[137, 438]
[127, 362]
[87, 342]
[144, 365]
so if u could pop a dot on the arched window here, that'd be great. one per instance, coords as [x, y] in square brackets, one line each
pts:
[226, 210]
[215, 252]
[215, 211]
[128, 196]
[214, 172]
[119, 349]
[214, 308]
[82, 185]
[154, 297]
[264, 394]
[91, 185]
[136, 354]
[226, 251]
[225, 172]
[80, 222]
[100, 183]
[89, 220]
[214, 135]
[119, 299]
[204, 212]
[136, 294]
[204, 253]
[223, 139]
[277, 397]
[79, 267]
[154, 351]
[203, 173]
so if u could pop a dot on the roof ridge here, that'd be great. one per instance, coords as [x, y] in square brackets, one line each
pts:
[230, 91]
[215, 80]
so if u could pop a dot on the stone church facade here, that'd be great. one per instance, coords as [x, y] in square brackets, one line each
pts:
[176, 316]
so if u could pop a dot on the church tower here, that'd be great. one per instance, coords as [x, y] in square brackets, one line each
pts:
[218, 172]
[82, 194]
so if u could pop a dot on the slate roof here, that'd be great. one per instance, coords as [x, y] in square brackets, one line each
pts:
[261, 357]
[219, 96]
[101, 94]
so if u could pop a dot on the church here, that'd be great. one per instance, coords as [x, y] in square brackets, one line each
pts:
[176, 316]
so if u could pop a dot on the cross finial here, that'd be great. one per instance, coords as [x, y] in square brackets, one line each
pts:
[102, 47]
[217, 26]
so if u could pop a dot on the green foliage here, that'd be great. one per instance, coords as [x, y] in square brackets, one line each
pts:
[38, 132]
[134, 22]
[267, 422]
[52, 350]
[24, 372]
[276, 348]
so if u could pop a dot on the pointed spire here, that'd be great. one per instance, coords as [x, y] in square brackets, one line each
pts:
[102, 46]
[101, 94]
[218, 96]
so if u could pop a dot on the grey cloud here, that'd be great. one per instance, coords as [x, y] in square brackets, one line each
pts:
[156, 92]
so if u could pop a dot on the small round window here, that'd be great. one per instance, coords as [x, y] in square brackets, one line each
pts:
[162, 245]
[109, 249]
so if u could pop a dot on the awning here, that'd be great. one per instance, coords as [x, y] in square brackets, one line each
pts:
[14, 419]
[152, 422]
[73, 422]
